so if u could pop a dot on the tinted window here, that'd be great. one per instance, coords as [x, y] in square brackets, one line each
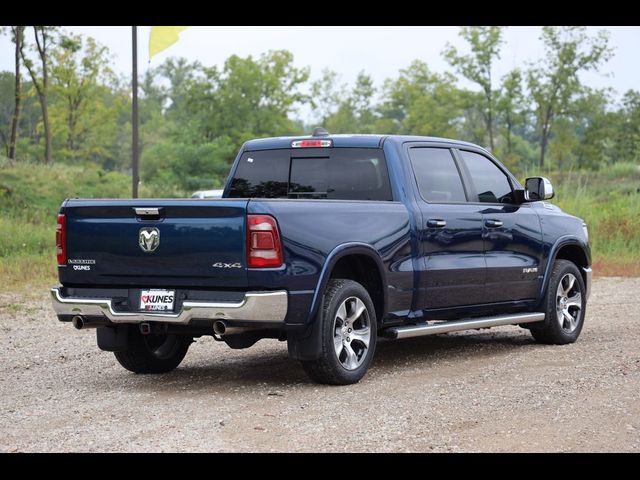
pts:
[437, 175]
[261, 174]
[337, 173]
[490, 182]
[354, 174]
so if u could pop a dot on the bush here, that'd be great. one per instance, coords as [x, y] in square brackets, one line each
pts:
[171, 166]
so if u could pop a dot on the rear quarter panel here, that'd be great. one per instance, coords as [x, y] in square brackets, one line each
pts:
[312, 229]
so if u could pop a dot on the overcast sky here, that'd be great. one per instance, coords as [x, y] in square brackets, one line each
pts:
[379, 51]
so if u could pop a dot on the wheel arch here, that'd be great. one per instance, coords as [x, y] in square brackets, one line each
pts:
[572, 249]
[351, 260]
[308, 346]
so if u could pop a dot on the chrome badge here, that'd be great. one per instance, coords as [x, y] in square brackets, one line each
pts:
[227, 265]
[149, 239]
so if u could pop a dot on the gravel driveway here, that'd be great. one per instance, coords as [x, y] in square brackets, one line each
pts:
[490, 391]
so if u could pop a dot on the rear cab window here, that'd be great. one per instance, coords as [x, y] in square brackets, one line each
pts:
[336, 173]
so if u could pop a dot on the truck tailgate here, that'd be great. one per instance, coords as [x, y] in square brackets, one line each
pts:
[188, 243]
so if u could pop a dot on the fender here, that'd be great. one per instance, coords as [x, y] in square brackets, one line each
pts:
[560, 242]
[343, 250]
[308, 345]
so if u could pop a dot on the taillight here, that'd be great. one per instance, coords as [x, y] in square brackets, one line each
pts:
[264, 249]
[61, 239]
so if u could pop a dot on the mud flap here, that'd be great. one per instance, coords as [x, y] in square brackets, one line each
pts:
[306, 345]
[112, 339]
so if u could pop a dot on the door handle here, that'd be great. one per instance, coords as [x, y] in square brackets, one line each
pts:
[493, 223]
[436, 223]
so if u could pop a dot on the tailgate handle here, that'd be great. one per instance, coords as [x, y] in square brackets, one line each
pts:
[148, 211]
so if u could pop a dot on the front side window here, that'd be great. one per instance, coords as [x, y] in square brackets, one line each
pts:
[491, 184]
[437, 175]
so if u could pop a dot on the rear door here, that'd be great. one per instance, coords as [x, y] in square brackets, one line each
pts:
[451, 264]
[511, 232]
[187, 243]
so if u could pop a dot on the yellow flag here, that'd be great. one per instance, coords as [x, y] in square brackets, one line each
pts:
[161, 38]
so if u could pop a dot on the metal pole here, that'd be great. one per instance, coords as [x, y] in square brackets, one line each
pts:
[134, 114]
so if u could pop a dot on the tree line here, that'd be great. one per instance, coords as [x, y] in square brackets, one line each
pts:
[64, 103]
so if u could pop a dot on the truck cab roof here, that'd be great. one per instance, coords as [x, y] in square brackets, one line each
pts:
[349, 141]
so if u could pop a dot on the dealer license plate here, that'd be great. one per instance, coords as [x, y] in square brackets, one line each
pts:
[157, 300]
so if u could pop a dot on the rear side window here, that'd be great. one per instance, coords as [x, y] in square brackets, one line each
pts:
[262, 175]
[337, 173]
[437, 175]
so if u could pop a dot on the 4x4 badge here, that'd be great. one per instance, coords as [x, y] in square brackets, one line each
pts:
[227, 265]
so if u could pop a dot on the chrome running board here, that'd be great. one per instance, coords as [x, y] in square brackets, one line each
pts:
[409, 331]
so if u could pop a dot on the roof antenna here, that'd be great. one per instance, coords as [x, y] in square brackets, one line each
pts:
[320, 132]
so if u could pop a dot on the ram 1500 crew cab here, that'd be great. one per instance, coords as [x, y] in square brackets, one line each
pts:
[328, 242]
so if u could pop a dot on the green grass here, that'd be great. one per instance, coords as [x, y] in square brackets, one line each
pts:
[31, 194]
[609, 202]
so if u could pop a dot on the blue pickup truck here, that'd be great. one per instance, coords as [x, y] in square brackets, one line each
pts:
[328, 242]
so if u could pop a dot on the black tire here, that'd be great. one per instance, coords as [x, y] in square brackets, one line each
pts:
[153, 353]
[552, 331]
[329, 368]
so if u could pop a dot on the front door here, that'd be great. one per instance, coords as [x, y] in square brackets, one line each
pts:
[511, 232]
[451, 265]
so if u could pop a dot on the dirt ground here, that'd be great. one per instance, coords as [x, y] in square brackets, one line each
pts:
[494, 390]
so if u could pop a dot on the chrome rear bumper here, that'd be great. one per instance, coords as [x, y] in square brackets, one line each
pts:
[255, 307]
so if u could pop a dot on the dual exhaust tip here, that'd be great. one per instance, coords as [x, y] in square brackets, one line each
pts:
[220, 327]
[77, 322]
[80, 323]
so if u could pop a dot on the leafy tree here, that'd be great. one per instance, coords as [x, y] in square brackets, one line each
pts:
[164, 106]
[187, 167]
[78, 68]
[194, 118]
[180, 73]
[594, 127]
[326, 96]
[485, 45]
[7, 84]
[248, 97]
[627, 135]
[421, 102]
[355, 113]
[510, 104]
[554, 81]
[152, 91]
[563, 147]
[28, 142]
[17, 37]
[470, 122]
[44, 37]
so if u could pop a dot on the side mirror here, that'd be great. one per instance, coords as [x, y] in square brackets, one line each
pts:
[537, 188]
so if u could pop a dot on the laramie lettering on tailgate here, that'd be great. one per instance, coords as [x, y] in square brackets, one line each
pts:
[327, 242]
